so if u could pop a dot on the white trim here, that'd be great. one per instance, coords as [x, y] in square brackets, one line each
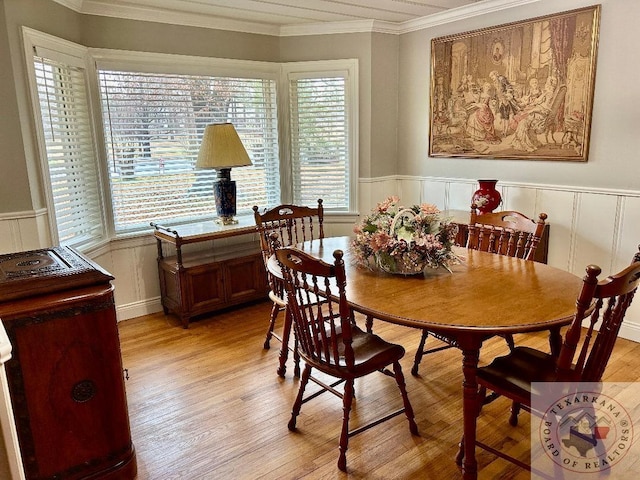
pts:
[75, 5]
[461, 13]
[149, 62]
[160, 15]
[505, 183]
[150, 14]
[333, 28]
[630, 330]
[41, 212]
[137, 309]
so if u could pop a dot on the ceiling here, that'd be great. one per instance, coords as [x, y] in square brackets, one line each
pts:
[289, 17]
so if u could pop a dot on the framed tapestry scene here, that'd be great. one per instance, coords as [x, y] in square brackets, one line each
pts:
[522, 90]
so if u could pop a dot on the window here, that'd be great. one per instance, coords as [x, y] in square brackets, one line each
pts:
[153, 128]
[322, 125]
[140, 166]
[69, 159]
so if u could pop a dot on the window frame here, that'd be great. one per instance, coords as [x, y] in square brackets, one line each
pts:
[123, 93]
[347, 69]
[78, 55]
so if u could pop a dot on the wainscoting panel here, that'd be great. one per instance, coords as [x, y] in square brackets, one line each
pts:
[586, 226]
[520, 199]
[596, 232]
[435, 193]
[560, 209]
[24, 231]
[628, 231]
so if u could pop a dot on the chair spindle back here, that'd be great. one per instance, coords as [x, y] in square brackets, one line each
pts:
[293, 224]
[506, 233]
[605, 303]
[322, 328]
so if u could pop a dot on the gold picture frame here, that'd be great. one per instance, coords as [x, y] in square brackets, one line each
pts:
[522, 90]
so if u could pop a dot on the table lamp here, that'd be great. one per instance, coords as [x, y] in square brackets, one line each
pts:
[222, 149]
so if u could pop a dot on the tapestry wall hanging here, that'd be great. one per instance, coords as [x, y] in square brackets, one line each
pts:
[522, 90]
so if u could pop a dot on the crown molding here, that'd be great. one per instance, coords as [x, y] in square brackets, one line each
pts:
[159, 15]
[75, 5]
[461, 13]
[143, 13]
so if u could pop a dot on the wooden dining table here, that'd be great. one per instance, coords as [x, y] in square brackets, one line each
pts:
[484, 295]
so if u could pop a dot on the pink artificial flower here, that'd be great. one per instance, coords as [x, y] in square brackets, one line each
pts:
[388, 203]
[428, 209]
[379, 241]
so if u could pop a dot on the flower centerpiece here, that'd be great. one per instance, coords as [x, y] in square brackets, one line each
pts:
[404, 240]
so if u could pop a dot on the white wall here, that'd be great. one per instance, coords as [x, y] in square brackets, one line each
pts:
[613, 156]
[593, 207]
[586, 226]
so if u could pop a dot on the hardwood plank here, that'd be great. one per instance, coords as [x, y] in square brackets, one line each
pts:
[206, 403]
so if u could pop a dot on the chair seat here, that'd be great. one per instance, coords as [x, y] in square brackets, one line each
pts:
[371, 353]
[582, 358]
[516, 371]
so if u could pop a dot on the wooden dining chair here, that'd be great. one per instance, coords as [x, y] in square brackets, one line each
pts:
[329, 340]
[504, 233]
[293, 224]
[604, 303]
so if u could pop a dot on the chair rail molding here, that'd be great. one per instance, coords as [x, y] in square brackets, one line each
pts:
[587, 224]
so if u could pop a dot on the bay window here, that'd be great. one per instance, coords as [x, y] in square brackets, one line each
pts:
[297, 121]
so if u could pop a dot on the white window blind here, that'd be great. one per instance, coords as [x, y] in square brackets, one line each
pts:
[69, 143]
[153, 128]
[320, 141]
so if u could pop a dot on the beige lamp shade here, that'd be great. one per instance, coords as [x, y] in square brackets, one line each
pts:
[222, 148]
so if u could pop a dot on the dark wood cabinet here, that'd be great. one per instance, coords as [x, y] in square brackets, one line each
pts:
[202, 282]
[65, 376]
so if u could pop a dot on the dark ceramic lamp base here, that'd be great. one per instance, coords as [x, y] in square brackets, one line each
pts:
[224, 192]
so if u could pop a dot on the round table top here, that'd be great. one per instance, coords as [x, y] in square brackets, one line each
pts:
[485, 294]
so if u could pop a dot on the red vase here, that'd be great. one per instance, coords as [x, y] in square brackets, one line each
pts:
[487, 198]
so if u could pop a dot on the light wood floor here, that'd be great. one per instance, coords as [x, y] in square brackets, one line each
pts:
[206, 403]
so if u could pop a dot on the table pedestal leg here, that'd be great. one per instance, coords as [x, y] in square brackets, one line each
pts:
[469, 407]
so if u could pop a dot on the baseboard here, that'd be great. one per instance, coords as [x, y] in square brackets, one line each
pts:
[630, 331]
[138, 309]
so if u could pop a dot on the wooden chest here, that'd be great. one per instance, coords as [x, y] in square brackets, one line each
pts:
[65, 376]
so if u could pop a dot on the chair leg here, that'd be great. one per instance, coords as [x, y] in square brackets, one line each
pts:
[296, 357]
[284, 348]
[272, 322]
[460, 454]
[295, 411]
[369, 323]
[482, 395]
[515, 410]
[408, 409]
[509, 339]
[419, 353]
[347, 399]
